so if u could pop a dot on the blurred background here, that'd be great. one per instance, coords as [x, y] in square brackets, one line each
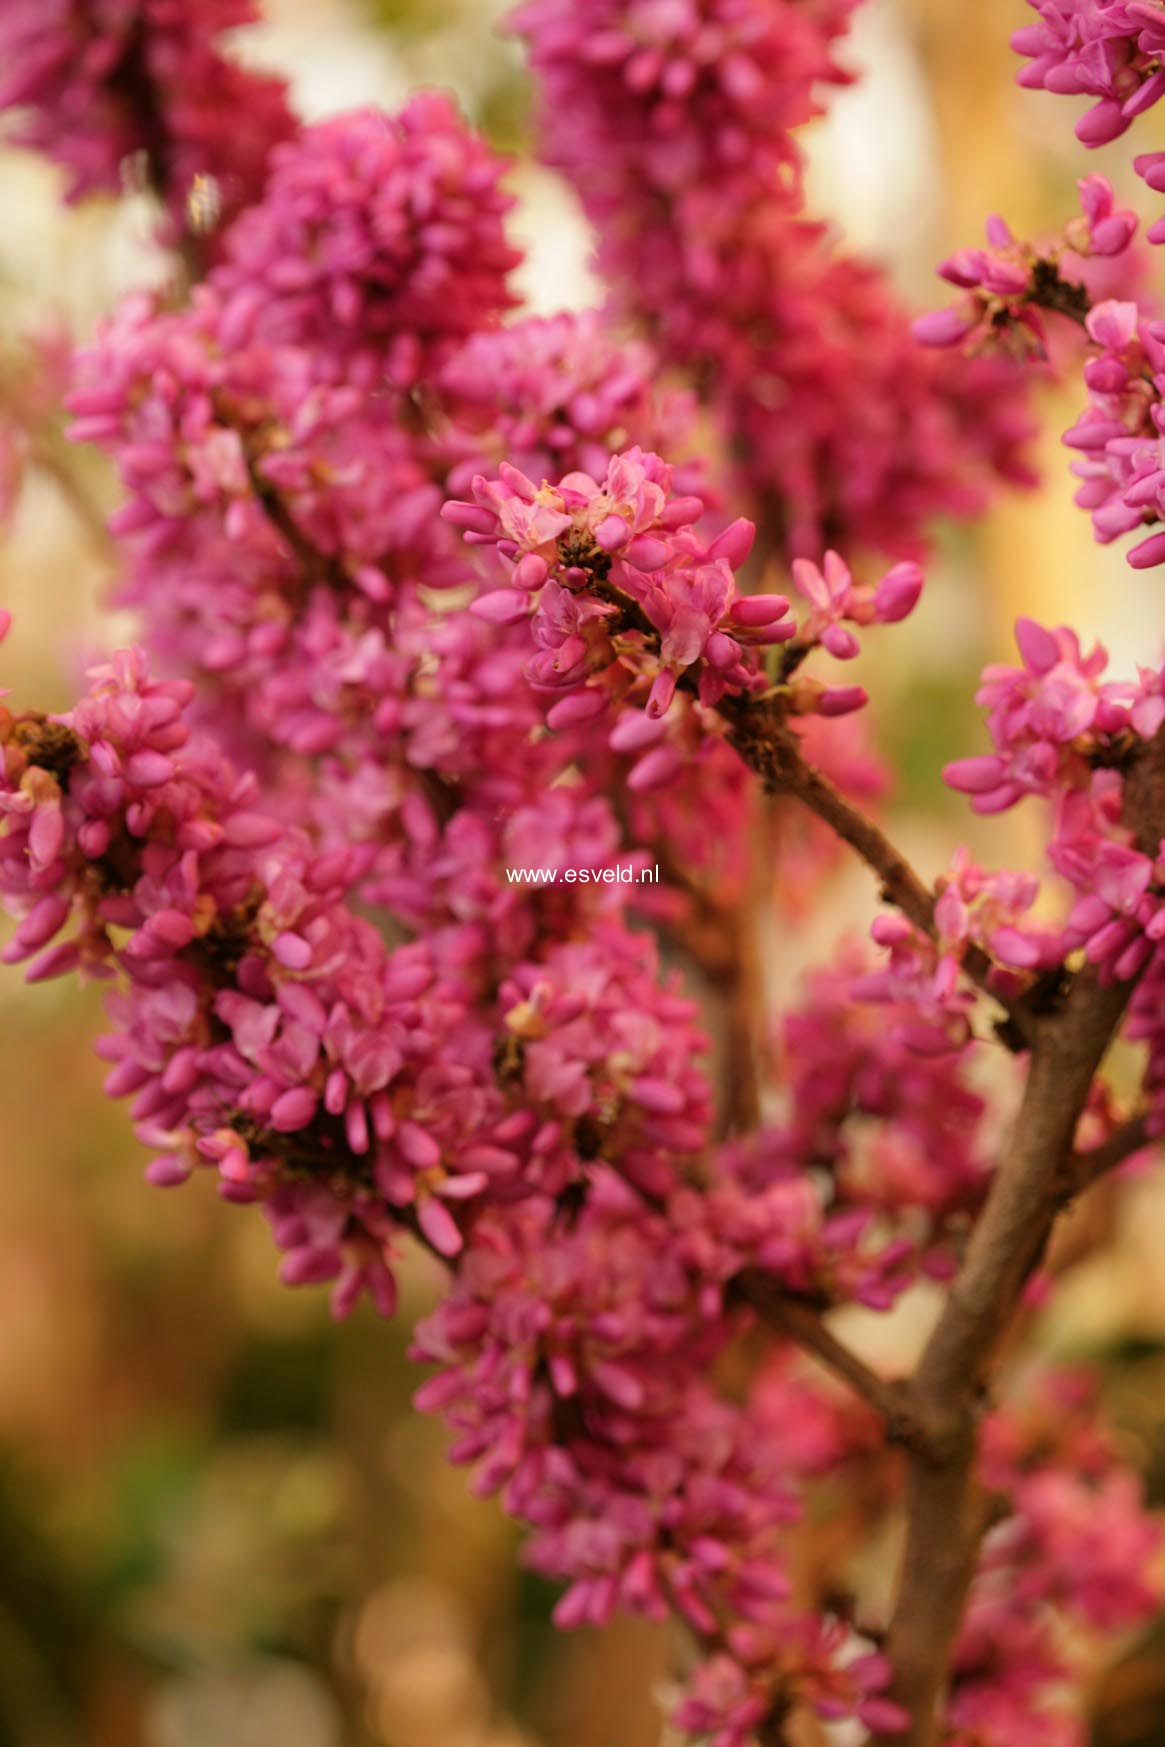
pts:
[220, 1523]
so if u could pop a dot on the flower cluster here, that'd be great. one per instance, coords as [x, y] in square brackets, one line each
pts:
[555, 395]
[595, 561]
[623, 598]
[673, 124]
[1110, 50]
[264, 1027]
[378, 242]
[976, 912]
[1064, 733]
[573, 1370]
[699, 91]
[93, 86]
[836, 601]
[1045, 718]
[275, 528]
[280, 529]
[1056, 725]
[607, 1054]
[260, 1026]
[446, 658]
[1010, 285]
[264, 1031]
[893, 1135]
[251, 444]
[1118, 437]
[1071, 1547]
[1106, 49]
[838, 1671]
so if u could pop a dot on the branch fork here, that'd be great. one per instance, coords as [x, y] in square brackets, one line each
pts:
[935, 1413]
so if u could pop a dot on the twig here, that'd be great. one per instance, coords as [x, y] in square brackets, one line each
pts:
[801, 1323]
[770, 748]
[743, 990]
[133, 80]
[1051, 291]
[944, 1508]
[316, 566]
[1084, 1169]
[766, 744]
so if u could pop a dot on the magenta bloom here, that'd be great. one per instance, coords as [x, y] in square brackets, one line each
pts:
[556, 395]
[1041, 717]
[92, 82]
[582, 547]
[1106, 49]
[674, 123]
[834, 598]
[379, 241]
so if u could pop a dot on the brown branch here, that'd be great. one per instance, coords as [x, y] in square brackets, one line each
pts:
[315, 565]
[1084, 1169]
[769, 747]
[133, 82]
[743, 1009]
[759, 732]
[1060, 296]
[802, 1324]
[947, 1513]
[944, 1505]
[771, 1732]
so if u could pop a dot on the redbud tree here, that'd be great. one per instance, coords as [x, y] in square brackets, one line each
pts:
[452, 622]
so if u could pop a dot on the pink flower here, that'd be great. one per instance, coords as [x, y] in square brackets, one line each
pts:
[259, 1026]
[1072, 1548]
[609, 1046]
[556, 395]
[1106, 230]
[587, 553]
[1106, 49]
[353, 871]
[378, 241]
[989, 911]
[833, 596]
[1118, 435]
[1008, 285]
[1040, 717]
[94, 85]
[674, 125]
